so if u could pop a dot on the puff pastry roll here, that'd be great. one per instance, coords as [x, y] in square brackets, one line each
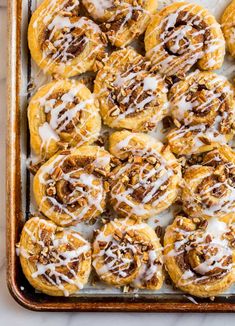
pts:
[61, 41]
[130, 96]
[199, 255]
[147, 180]
[70, 187]
[181, 35]
[228, 27]
[203, 109]
[54, 260]
[62, 114]
[126, 252]
[121, 21]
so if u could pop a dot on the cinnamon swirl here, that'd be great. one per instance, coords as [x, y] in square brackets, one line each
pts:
[200, 255]
[130, 96]
[181, 35]
[126, 252]
[71, 186]
[54, 260]
[209, 187]
[121, 21]
[147, 180]
[203, 109]
[61, 41]
[62, 113]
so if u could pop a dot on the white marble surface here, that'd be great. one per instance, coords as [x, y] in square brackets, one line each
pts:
[12, 314]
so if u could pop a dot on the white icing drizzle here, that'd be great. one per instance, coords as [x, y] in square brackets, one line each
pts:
[155, 180]
[67, 32]
[100, 6]
[52, 259]
[215, 125]
[66, 111]
[87, 188]
[222, 204]
[124, 258]
[47, 134]
[135, 89]
[180, 47]
[211, 244]
[131, 16]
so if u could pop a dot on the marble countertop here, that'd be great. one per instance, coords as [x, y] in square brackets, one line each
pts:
[13, 314]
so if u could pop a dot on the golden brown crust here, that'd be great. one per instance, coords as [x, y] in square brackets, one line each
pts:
[71, 186]
[147, 181]
[126, 252]
[181, 35]
[200, 255]
[122, 21]
[54, 260]
[61, 42]
[62, 114]
[208, 188]
[130, 96]
[228, 27]
[203, 108]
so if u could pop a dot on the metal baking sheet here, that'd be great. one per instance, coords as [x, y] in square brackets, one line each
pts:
[21, 72]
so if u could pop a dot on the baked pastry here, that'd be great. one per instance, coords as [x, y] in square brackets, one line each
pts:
[181, 35]
[200, 255]
[71, 186]
[228, 25]
[61, 42]
[55, 261]
[122, 21]
[147, 180]
[62, 113]
[128, 253]
[209, 187]
[203, 108]
[130, 96]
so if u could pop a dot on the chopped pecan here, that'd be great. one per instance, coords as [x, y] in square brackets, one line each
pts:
[57, 173]
[51, 191]
[159, 231]
[118, 235]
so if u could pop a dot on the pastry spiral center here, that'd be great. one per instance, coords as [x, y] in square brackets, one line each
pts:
[201, 104]
[203, 260]
[121, 259]
[73, 186]
[203, 249]
[145, 179]
[183, 34]
[183, 39]
[211, 189]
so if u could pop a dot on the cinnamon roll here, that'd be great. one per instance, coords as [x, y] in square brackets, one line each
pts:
[54, 260]
[203, 108]
[62, 113]
[130, 96]
[200, 255]
[126, 252]
[71, 186]
[209, 187]
[122, 21]
[61, 41]
[228, 27]
[181, 35]
[146, 182]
